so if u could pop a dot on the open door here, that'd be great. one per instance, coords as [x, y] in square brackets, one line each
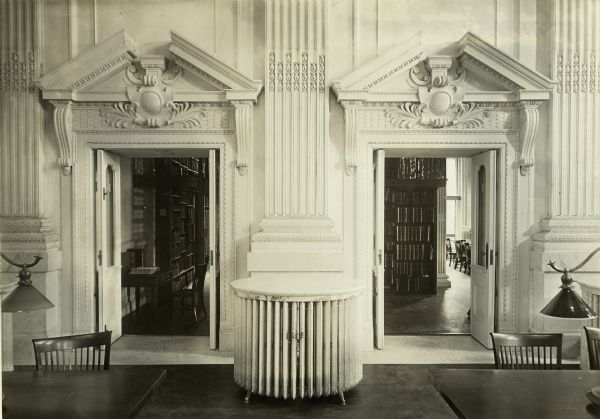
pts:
[213, 234]
[378, 267]
[483, 260]
[108, 243]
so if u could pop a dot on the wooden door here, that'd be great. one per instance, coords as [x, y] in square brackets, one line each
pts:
[213, 240]
[379, 267]
[108, 242]
[483, 257]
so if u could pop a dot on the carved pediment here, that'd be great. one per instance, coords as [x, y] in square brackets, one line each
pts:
[101, 63]
[150, 91]
[426, 91]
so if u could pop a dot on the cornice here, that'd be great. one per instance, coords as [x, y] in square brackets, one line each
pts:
[109, 56]
[215, 71]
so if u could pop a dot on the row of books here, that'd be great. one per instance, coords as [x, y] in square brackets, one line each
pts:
[409, 251]
[410, 215]
[410, 198]
[408, 233]
[402, 268]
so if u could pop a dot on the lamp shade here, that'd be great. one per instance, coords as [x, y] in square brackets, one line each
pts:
[25, 298]
[567, 304]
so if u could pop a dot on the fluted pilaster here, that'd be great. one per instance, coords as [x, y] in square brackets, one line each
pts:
[296, 108]
[576, 105]
[22, 120]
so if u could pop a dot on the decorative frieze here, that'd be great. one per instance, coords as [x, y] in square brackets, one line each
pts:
[153, 114]
[576, 72]
[17, 70]
[295, 72]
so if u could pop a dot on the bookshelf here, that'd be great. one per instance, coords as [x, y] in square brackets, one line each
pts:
[179, 208]
[410, 223]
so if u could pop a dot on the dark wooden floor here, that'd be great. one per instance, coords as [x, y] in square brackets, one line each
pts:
[441, 313]
[386, 391]
[143, 323]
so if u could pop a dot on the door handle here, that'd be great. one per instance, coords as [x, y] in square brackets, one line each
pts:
[380, 257]
[487, 256]
[491, 256]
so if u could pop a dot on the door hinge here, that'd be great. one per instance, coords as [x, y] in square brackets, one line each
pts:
[380, 257]
[99, 257]
[211, 258]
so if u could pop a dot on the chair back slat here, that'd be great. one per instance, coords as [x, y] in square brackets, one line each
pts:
[66, 353]
[592, 335]
[527, 350]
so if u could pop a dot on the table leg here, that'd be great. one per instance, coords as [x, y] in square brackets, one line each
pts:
[154, 302]
[137, 303]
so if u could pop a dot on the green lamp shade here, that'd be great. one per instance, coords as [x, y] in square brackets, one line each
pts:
[567, 304]
[25, 298]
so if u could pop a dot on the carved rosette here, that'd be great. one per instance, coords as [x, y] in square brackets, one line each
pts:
[350, 133]
[63, 127]
[243, 132]
[529, 116]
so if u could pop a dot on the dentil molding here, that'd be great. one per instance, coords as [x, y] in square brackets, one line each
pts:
[438, 82]
[148, 101]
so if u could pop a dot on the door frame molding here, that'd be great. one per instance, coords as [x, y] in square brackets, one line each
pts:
[232, 228]
[507, 192]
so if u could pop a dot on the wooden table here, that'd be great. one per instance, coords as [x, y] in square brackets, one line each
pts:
[517, 394]
[116, 393]
[153, 281]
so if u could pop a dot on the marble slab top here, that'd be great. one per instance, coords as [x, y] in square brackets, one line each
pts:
[293, 287]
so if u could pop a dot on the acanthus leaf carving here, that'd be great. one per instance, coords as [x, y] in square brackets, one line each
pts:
[177, 114]
[405, 115]
[469, 115]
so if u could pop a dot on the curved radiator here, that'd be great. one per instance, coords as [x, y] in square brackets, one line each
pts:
[296, 347]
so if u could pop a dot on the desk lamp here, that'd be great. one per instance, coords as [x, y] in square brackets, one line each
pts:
[567, 304]
[25, 297]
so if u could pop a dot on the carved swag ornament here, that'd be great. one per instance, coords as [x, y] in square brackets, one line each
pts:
[440, 96]
[151, 98]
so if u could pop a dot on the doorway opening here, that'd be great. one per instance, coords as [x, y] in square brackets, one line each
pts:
[428, 211]
[157, 242]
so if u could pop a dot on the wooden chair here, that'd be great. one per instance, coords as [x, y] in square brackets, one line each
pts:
[592, 335]
[467, 258]
[450, 255]
[527, 351]
[460, 252]
[73, 353]
[191, 297]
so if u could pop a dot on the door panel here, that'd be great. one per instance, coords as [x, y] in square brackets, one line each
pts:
[213, 234]
[108, 242]
[379, 268]
[483, 266]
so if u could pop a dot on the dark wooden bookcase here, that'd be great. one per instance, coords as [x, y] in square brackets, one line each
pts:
[179, 231]
[411, 188]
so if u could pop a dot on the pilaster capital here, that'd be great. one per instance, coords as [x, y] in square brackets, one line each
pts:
[529, 116]
[63, 127]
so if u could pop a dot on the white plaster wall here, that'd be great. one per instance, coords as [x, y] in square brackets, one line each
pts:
[358, 31]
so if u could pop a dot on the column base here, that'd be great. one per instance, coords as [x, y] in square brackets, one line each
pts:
[443, 282]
